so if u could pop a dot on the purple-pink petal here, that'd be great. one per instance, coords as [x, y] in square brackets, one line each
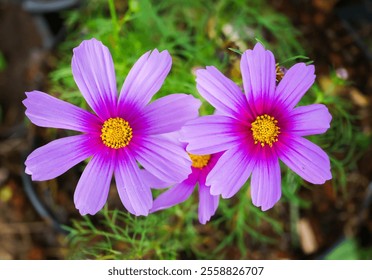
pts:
[212, 134]
[133, 190]
[295, 83]
[56, 157]
[169, 113]
[266, 182]
[259, 76]
[154, 182]
[222, 93]
[207, 204]
[47, 111]
[175, 195]
[94, 74]
[309, 120]
[145, 79]
[93, 187]
[162, 157]
[231, 171]
[305, 158]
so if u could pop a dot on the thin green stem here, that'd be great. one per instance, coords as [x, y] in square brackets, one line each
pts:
[114, 20]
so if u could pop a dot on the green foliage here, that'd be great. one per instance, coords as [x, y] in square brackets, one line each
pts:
[197, 34]
[344, 142]
[2, 62]
[349, 249]
[120, 235]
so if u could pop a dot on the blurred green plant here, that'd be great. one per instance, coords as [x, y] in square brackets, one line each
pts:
[197, 34]
[2, 62]
[349, 249]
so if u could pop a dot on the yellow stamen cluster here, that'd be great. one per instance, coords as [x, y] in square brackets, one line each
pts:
[265, 130]
[279, 73]
[116, 133]
[199, 161]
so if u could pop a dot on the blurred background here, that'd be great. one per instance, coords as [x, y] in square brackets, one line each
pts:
[334, 221]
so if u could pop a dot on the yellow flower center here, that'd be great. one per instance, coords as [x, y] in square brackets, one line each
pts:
[199, 161]
[265, 130]
[116, 133]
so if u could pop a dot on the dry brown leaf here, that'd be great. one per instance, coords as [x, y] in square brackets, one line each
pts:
[308, 241]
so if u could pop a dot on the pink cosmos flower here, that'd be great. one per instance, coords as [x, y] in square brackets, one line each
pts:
[123, 132]
[201, 166]
[258, 128]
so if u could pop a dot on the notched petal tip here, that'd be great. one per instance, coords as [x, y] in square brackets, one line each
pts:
[327, 117]
[327, 175]
[210, 68]
[194, 103]
[201, 72]
[29, 95]
[88, 42]
[223, 195]
[258, 47]
[84, 210]
[28, 171]
[214, 191]
[204, 220]
[245, 54]
[309, 70]
[163, 55]
[265, 207]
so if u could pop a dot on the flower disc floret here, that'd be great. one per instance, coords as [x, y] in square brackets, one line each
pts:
[116, 133]
[265, 130]
[199, 161]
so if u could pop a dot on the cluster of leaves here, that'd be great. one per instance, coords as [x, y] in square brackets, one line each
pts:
[196, 33]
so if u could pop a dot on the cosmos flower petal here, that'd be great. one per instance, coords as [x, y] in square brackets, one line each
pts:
[94, 74]
[162, 157]
[154, 182]
[28, 171]
[47, 111]
[207, 204]
[296, 81]
[211, 134]
[175, 195]
[231, 171]
[145, 79]
[221, 92]
[56, 157]
[309, 120]
[133, 191]
[93, 187]
[170, 113]
[266, 182]
[305, 158]
[259, 77]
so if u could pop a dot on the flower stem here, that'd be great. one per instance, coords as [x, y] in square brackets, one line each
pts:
[114, 19]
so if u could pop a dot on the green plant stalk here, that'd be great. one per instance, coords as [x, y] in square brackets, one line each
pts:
[114, 20]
